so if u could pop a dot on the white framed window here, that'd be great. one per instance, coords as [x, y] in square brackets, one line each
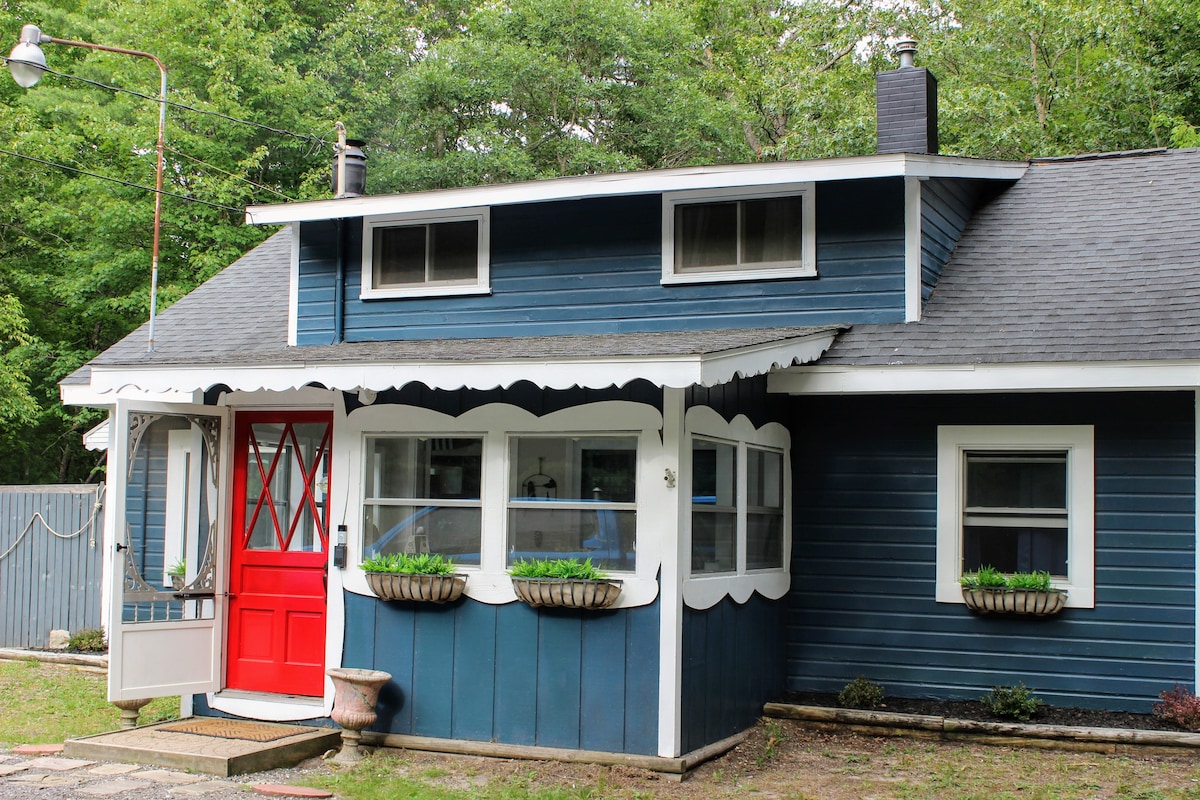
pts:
[573, 497]
[421, 255]
[739, 234]
[422, 494]
[1019, 499]
[738, 527]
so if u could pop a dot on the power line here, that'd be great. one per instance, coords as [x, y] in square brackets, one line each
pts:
[118, 180]
[229, 174]
[311, 139]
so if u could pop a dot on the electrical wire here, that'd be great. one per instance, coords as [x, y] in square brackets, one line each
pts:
[118, 180]
[215, 168]
[315, 141]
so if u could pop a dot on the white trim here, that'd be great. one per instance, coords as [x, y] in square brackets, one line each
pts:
[294, 287]
[806, 268]
[912, 249]
[885, 165]
[272, 707]
[1037, 377]
[480, 215]
[670, 607]
[705, 591]
[496, 422]
[1079, 443]
[678, 371]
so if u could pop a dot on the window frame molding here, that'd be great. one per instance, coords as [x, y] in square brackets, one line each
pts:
[704, 590]
[482, 283]
[496, 423]
[805, 268]
[1079, 443]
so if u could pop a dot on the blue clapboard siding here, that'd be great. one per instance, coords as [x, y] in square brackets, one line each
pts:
[51, 538]
[733, 662]
[511, 673]
[594, 266]
[946, 207]
[862, 600]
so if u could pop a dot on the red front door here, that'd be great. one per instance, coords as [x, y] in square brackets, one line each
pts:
[280, 535]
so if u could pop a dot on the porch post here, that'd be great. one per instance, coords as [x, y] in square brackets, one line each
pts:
[670, 659]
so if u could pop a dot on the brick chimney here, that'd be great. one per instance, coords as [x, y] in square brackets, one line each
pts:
[906, 106]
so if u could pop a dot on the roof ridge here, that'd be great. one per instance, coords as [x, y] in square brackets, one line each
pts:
[1151, 151]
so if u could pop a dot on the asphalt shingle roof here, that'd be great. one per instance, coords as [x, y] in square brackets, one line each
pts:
[1082, 260]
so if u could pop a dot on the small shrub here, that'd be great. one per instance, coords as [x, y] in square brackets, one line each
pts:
[1179, 707]
[409, 564]
[89, 640]
[560, 568]
[861, 693]
[1012, 702]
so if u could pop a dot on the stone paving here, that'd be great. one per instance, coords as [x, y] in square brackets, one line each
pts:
[46, 776]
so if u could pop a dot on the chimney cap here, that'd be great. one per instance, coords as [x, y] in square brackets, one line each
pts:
[906, 49]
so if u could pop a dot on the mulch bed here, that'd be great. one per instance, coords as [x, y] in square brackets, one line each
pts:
[975, 710]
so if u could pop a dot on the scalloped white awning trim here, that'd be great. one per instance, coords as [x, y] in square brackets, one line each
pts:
[673, 370]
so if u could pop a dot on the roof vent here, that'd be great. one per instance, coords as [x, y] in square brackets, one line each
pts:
[906, 106]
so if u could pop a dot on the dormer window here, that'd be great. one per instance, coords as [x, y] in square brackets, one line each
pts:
[426, 255]
[739, 235]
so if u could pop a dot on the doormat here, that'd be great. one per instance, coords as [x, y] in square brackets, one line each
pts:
[235, 729]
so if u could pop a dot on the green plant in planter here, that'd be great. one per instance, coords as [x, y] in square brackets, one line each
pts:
[178, 568]
[991, 578]
[557, 568]
[409, 564]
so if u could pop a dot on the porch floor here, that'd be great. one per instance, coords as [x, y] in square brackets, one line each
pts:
[208, 745]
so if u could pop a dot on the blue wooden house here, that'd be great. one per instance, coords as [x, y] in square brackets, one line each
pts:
[787, 404]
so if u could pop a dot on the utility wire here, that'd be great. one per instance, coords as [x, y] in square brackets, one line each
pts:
[315, 141]
[118, 180]
[215, 168]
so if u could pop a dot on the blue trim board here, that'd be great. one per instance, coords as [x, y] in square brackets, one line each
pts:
[862, 599]
[511, 673]
[594, 266]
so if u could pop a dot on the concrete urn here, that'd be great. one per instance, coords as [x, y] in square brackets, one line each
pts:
[355, 692]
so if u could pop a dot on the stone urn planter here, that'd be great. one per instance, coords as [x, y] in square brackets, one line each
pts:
[355, 692]
[567, 592]
[1003, 600]
[417, 588]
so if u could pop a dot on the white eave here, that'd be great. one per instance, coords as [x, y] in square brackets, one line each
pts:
[886, 165]
[590, 372]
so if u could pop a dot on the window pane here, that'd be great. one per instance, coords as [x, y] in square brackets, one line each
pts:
[714, 507]
[455, 248]
[450, 530]
[764, 478]
[399, 255]
[705, 235]
[1017, 480]
[575, 468]
[764, 541]
[714, 541]
[1015, 549]
[604, 535]
[423, 467]
[771, 229]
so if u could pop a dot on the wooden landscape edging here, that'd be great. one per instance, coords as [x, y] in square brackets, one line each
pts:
[1064, 737]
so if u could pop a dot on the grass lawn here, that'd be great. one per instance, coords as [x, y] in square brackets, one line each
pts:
[42, 703]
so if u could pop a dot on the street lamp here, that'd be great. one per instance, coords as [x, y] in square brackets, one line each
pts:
[27, 62]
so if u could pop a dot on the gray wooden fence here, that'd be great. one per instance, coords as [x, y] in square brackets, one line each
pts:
[51, 540]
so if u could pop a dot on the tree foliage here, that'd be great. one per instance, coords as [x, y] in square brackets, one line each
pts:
[459, 92]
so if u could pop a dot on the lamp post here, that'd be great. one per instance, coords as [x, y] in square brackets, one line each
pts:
[27, 62]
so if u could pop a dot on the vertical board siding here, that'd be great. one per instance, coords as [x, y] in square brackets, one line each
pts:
[595, 266]
[946, 208]
[862, 599]
[733, 662]
[48, 581]
[511, 673]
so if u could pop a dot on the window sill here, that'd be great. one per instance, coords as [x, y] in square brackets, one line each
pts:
[738, 275]
[431, 290]
[496, 588]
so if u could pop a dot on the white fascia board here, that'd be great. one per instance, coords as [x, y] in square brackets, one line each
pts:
[591, 373]
[1099, 376]
[89, 395]
[644, 182]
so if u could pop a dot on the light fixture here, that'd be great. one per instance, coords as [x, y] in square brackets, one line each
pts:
[27, 62]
